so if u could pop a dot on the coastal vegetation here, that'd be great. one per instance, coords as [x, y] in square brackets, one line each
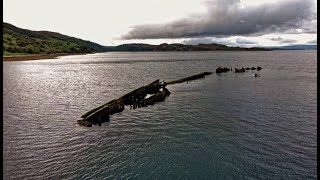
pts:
[17, 41]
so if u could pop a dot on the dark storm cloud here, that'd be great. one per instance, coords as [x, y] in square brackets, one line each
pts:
[224, 41]
[207, 40]
[196, 41]
[283, 41]
[310, 27]
[227, 18]
[244, 41]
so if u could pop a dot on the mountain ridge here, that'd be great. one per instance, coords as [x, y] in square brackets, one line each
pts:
[180, 47]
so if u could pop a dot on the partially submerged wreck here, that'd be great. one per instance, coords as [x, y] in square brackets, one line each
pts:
[239, 70]
[190, 78]
[222, 70]
[236, 70]
[136, 99]
[247, 68]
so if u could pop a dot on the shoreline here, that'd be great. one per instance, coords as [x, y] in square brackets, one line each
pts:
[38, 56]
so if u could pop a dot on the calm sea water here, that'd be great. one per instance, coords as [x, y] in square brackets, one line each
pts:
[228, 126]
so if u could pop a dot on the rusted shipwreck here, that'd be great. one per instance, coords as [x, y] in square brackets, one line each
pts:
[190, 78]
[222, 70]
[247, 68]
[137, 98]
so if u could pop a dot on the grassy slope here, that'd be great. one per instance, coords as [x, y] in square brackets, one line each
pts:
[17, 41]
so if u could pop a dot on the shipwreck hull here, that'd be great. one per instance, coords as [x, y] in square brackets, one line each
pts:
[136, 99]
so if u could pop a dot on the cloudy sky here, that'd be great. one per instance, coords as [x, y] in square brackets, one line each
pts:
[113, 22]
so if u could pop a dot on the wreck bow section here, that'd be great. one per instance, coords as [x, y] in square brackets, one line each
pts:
[135, 98]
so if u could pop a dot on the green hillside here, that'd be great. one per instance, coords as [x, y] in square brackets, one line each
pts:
[23, 41]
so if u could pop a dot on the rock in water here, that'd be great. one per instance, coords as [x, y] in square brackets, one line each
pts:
[222, 70]
[219, 70]
[240, 70]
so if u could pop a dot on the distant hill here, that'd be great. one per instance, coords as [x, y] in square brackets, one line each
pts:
[295, 47]
[23, 41]
[179, 47]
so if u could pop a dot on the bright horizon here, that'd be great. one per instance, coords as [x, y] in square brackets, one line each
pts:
[235, 23]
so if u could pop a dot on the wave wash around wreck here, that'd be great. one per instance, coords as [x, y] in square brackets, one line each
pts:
[136, 98]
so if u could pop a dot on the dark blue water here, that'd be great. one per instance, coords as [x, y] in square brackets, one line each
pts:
[228, 126]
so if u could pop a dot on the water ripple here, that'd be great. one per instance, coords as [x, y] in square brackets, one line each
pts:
[229, 126]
